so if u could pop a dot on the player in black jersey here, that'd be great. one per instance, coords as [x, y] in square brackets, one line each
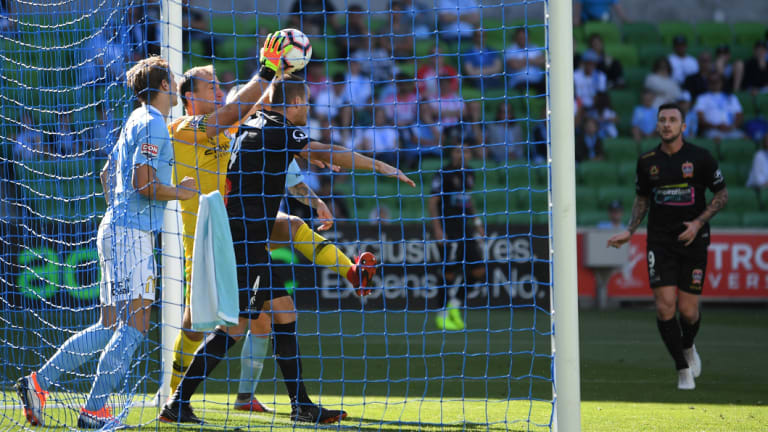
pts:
[261, 153]
[455, 225]
[671, 181]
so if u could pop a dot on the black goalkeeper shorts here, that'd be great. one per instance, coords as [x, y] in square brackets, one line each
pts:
[257, 280]
[673, 264]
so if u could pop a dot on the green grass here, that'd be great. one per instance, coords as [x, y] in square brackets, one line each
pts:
[398, 373]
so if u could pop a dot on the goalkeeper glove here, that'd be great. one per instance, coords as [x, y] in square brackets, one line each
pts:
[271, 55]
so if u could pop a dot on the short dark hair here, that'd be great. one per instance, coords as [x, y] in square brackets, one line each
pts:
[287, 88]
[146, 76]
[671, 105]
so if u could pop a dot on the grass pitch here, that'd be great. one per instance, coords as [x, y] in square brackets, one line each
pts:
[395, 371]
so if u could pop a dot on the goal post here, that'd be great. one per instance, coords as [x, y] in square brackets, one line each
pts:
[565, 339]
[172, 256]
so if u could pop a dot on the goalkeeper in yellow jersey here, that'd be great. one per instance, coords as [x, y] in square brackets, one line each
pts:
[201, 141]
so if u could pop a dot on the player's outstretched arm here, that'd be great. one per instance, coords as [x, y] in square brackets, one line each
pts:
[347, 159]
[307, 196]
[231, 113]
[719, 200]
[639, 209]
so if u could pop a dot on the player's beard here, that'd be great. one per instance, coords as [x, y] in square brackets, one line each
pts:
[672, 139]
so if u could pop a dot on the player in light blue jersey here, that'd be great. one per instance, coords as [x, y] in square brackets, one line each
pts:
[136, 182]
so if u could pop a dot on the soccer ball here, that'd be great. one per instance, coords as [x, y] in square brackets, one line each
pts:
[299, 56]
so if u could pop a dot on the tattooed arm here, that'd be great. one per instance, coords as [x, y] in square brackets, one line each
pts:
[717, 204]
[639, 209]
[305, 195]
[692, 228]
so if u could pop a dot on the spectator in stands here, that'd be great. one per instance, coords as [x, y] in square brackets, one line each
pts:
[731, 70]
[720, 113]
[457, 18]
[359, 90]
[316, 78]
[525, 63]
[644, 118]
[611, 67]
[504, 135]
[756, 70]
[30, 142]
[400, 26]
[696, 84]
[615, 217]
[195, 27]
[331, 103]
[691, 117]
[588, 80]
[758, 175]
[606, 117]
[682, 63]
[64, 140]
[448, 107]
[311, 14]
[537, 147]
[402, 107]
[377, 61]
[144, 30]
[352, 32]
[335, 202]
[432, 70]
[422, 16]
[660, 82]
[381, 140]
[597, 10]
[589, 146]
[6, 25]
[482, 65]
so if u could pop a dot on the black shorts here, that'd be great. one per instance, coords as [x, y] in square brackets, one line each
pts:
[257, 281]
[675, 264]
[458, 254]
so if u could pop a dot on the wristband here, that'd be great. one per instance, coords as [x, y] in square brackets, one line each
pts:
[266, 73]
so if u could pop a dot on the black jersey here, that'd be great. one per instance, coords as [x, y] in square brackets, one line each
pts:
[454, 186]
[262, 150]
[676, 186]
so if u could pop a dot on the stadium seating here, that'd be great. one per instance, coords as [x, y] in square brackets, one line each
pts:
[640, 33]
[746, 33]
[713, 34]
[608, 30]
[624, 53]
[669, 29]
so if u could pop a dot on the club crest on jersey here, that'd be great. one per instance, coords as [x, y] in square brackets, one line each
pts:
[654, 171]
[687, 169]
[299, 135]
[149, 150]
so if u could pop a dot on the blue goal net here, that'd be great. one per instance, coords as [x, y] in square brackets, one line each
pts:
[456, 332]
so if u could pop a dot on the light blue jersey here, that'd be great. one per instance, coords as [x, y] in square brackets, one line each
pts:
[144, 140]
[293, 175]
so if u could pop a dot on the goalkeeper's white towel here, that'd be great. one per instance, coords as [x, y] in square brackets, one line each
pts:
[214, 298]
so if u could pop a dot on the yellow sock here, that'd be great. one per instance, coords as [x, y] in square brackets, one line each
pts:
[320, 251]
[183, 352]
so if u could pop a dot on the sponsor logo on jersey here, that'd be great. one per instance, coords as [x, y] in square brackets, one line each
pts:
[149, 150]
[687, 169]
[299, 135]
[674, 195]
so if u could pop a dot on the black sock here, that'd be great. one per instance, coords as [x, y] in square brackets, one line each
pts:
[288, 358]
[207, 356]
[689, 331]
[670, 334]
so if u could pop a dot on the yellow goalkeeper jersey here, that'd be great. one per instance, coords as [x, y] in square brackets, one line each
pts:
[202, 158]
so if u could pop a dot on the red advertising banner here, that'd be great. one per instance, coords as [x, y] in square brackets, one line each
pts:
[737, 268]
